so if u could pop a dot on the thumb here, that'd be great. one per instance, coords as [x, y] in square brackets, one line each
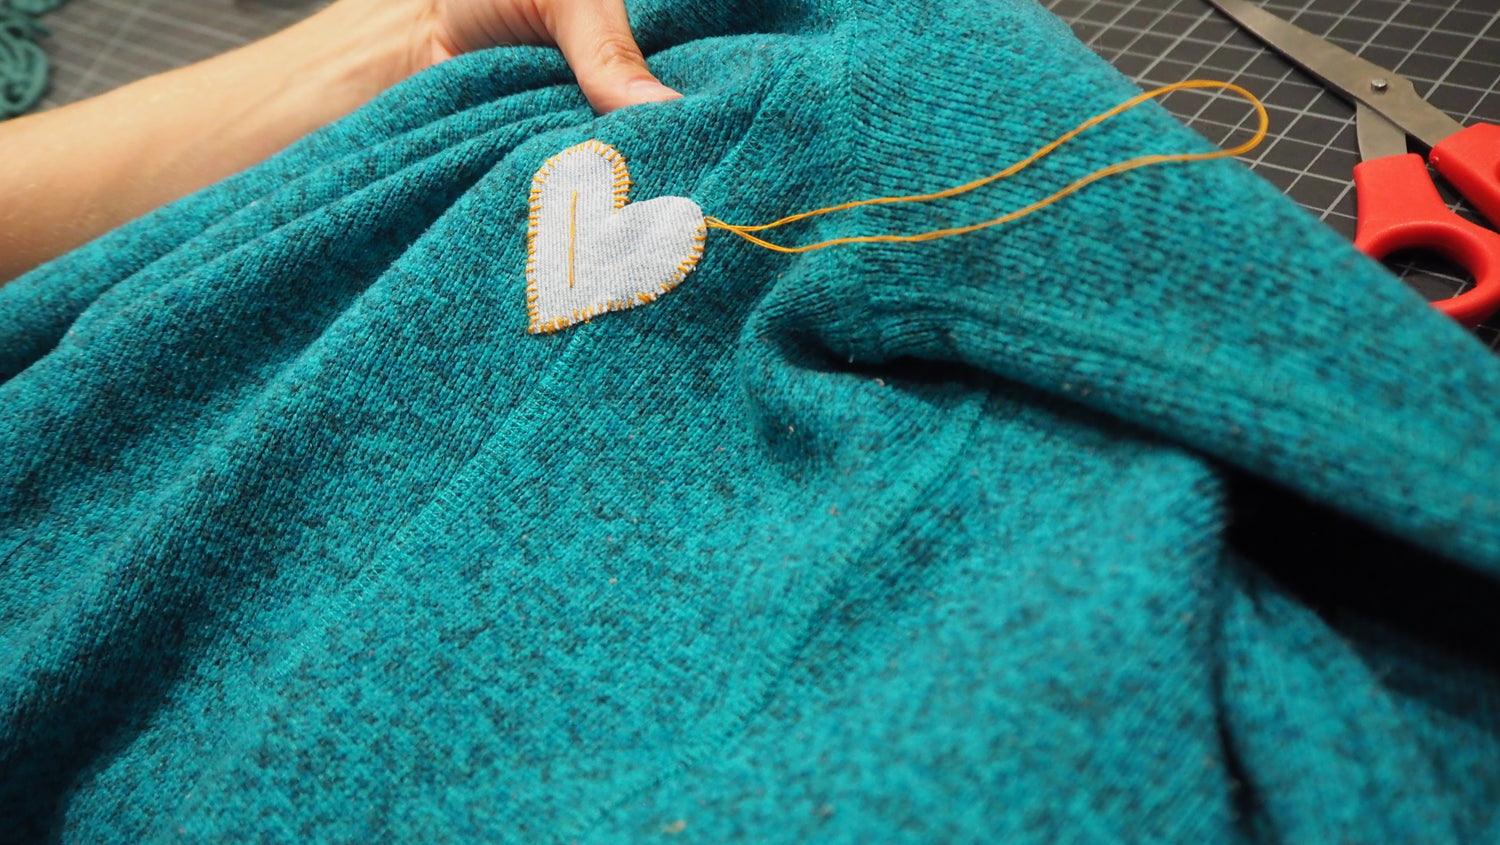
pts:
[594, 36]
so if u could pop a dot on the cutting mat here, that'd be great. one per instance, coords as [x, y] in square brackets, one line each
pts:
[97, 45]
[1449, 48]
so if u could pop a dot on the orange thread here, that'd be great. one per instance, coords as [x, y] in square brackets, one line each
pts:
[572, 225]
[1111, 170]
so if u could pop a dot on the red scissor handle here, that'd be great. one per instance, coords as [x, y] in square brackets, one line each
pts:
[1399, 208]
[1470, 160]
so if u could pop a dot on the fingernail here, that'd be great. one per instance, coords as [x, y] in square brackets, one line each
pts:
[649, 91]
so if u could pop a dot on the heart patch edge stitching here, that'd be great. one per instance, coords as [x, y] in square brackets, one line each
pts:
[621, 193]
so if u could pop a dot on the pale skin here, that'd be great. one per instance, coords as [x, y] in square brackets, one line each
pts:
[73, 173]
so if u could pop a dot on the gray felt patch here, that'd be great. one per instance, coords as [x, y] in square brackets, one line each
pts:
[589, 252]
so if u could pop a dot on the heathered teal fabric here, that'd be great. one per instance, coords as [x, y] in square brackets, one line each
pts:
[1160, 515]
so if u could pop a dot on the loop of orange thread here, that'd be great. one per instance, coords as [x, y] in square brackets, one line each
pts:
[1111, 170]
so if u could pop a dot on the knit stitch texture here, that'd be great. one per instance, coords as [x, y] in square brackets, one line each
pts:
[1161, 515]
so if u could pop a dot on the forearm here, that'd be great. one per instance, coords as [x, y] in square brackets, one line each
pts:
[69, 175]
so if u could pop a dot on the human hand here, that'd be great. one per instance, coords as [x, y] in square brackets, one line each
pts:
[594, 36]
[70, 174]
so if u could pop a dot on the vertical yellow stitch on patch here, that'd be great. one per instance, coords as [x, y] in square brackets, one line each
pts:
[572, 224]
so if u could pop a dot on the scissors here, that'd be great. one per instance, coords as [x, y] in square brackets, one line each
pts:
[1399, 206]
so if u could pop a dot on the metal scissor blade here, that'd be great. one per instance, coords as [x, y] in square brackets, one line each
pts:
[1378, 137]
[1356, 79]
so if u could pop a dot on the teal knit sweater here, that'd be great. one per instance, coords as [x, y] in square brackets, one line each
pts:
[1158, 515]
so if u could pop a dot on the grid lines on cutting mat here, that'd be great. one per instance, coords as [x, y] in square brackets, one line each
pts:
[1449, 49]
[98, 45]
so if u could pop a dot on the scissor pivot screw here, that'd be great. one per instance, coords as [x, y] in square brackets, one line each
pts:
[1379, 83]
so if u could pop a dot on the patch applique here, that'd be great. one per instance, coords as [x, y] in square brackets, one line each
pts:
[589, 252]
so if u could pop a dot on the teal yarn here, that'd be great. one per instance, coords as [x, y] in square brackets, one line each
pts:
[1160, 515]
[23, 64]
[35, 7]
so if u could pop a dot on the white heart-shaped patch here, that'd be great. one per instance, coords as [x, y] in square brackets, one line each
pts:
[588, 252]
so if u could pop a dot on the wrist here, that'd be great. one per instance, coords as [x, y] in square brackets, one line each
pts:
[354, 49]
[82, 169]
[274, 91]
